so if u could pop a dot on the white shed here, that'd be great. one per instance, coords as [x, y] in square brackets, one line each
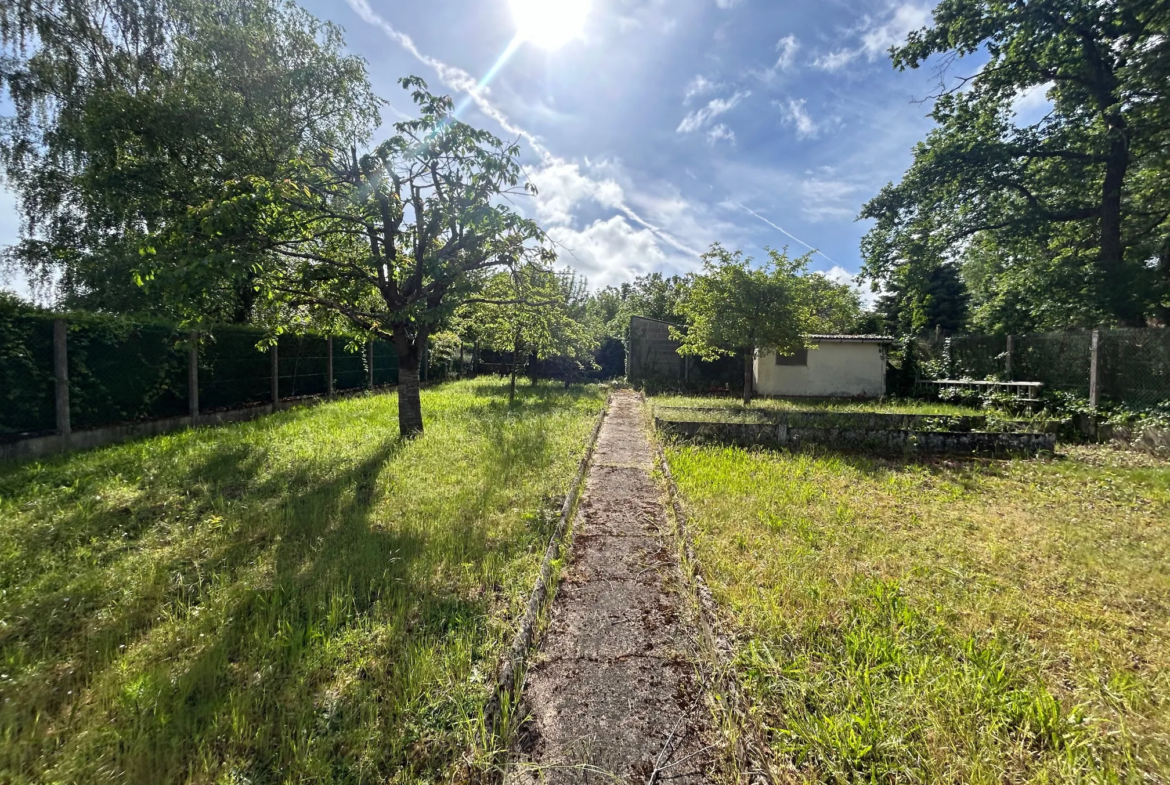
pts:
[834, 366]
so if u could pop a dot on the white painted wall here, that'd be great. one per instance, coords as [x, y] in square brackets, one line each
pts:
[834, 370]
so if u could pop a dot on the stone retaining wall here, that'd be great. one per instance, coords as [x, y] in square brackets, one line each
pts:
[875, 440]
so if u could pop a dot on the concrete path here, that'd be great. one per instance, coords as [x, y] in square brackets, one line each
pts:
[613, 696]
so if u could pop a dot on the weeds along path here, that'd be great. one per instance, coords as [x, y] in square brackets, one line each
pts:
[614, 698]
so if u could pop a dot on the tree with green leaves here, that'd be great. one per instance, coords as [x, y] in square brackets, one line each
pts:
[941, 300]
[124, 113]
[654, 296]
[735, 307]
[533, 314]
[388, 244]
[1079, 198]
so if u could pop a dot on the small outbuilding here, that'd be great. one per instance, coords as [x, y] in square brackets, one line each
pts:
[833, 366]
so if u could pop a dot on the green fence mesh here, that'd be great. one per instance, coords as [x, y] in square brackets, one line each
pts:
[978, 356]
[123, 371]
[1060, 360]
[1133, 365]
[232, 371]
[26, 376]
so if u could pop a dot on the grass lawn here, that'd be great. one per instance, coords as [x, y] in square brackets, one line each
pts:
[948, 621]
[733, 404]
[303, 598]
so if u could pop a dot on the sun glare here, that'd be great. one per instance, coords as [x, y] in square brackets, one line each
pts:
[550, 23]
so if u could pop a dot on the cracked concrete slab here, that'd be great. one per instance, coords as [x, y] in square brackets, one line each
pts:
[613, 696]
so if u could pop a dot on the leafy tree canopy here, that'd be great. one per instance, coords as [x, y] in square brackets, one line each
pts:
[390, 243]
[737, 307]
[1079, 199]
[127, 112]
[532, 313]
[911, 307]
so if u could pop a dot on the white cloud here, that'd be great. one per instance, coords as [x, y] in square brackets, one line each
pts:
[839, 274]
[873, 37]
[700, 118]
[720, 133]
[700, 86]
[609, 251]
[727, 4]
[561, 187]
[1032, 104]
[835, 61]
[825, 197]
[564, 184]
[788, 47]
[798, 117]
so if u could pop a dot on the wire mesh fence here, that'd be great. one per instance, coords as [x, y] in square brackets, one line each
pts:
[1132, 365]
[122, 371]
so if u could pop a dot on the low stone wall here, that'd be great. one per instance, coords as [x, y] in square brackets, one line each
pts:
[900, 441]
[865, 421]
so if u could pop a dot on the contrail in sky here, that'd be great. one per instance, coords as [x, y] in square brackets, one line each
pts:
[476, 89]
[782, 230]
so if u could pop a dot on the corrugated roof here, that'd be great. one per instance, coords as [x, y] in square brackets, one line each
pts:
[853, 338]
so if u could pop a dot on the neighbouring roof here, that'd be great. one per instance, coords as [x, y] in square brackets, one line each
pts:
[851, 338]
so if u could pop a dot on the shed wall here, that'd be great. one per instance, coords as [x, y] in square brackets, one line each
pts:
[834, 370]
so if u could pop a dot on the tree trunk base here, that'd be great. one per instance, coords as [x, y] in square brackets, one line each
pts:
[410, 421]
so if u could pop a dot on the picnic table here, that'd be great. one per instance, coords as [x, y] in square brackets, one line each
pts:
[1028, 392]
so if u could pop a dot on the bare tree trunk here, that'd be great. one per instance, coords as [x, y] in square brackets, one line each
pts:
[1164, 271]
[1119, 291]
[410, 419]
[748, 357]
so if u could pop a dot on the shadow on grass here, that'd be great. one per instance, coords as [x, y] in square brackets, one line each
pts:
[224, 628]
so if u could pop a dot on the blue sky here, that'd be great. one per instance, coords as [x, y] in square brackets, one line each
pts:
[667, 125]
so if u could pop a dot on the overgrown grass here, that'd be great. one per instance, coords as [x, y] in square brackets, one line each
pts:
[816, 404]
[304, 598]
[944, 622]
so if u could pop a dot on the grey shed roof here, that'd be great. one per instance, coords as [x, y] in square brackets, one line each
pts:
[851, 338]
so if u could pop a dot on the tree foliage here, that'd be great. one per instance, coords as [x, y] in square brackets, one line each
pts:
[1078, 199]
[735, 307]
[941, 300]
[127, 112]
[388, 244]
[532, 314]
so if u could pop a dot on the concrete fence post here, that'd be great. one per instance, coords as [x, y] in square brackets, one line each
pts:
[275, 360]
[1011, 350]
[370, 362]
[1095, 370]
[61, 375]
[329, 364]
[193, 374]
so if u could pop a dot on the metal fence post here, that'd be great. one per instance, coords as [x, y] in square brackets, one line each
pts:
[329, 363]
[275, 360]
[370, 362]
[1011, 350]
[193, 375]
[61, 374]
[1095, 371]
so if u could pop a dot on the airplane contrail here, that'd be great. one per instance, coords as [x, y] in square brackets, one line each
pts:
[782, 230]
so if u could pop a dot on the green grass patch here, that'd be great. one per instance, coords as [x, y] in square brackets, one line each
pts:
[765, 405]
[303, 598]
[947, 621]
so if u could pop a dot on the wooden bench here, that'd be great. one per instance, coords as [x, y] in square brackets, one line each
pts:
[1025, 392]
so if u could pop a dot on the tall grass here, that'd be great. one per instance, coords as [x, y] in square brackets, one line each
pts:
[943, 622]
[304, 598]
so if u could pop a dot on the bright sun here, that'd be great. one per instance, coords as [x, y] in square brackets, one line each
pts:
[550, 23]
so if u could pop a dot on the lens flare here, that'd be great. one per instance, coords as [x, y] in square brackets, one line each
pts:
[550, 23]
